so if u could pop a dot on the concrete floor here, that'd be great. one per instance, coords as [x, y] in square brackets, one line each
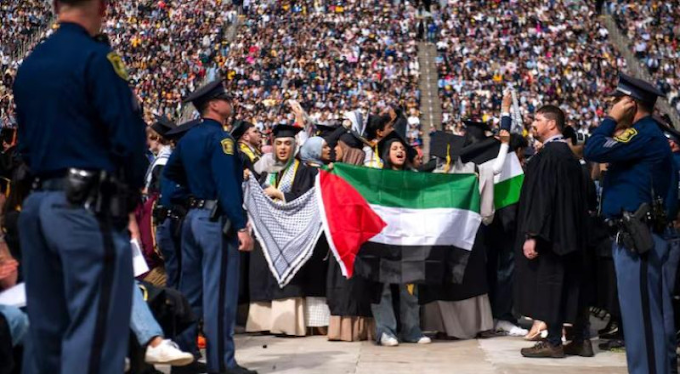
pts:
[308, 355]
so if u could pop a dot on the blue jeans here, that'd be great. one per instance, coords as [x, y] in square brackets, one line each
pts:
[78, 287]
[142, 322]
[409, 311]
[17, 321]
[210, 275]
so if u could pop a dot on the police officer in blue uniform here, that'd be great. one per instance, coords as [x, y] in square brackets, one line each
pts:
[641, 170]
[170, 213]
[83, 137]
[206, 160]
[670, 267]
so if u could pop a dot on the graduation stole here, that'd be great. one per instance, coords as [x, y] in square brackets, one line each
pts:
[246, 150]
[283, 180]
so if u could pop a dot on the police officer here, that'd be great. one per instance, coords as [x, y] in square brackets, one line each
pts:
[641, 170]
[170, 213]
[670, 267]
[207, 162]
[82, 135]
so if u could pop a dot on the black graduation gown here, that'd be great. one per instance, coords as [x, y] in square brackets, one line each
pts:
[310, 280]
[553, 208]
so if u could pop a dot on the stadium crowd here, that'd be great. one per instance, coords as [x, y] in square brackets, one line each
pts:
[364, 56]
[653, 28]
[19, 23]
[551, 52]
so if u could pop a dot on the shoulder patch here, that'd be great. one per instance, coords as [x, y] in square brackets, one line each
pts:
[626, 136]
[228, 146]
[118, 65]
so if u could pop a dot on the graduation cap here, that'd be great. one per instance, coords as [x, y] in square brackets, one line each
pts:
[476, 130]
[323, 130]
[162, 125]
[637, 89]
[446, 145]
[385, 143]
[286, 131]
[240, 128]
[211, 91]
[179, 131]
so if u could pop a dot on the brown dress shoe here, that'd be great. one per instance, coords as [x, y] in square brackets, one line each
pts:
[583, 349]
[543, 350]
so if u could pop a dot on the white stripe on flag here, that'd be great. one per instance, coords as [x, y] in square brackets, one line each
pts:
[511, 168]
[437, 226]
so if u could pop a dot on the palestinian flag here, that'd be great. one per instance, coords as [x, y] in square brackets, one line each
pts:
[507, 184]
[411, 227]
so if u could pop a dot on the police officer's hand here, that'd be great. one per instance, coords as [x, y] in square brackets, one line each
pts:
[623, 109]
[530, 249]
[246, 174]
[245, 241]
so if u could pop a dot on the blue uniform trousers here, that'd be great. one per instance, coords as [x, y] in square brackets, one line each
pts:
[640, 281]
[210, 273]
[670, 269]
[78, 286]
[170, 248]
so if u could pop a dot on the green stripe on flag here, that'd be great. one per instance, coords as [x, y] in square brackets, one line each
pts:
[507, 192]
[401, 189]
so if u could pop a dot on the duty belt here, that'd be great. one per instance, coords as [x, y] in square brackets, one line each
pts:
[201, 204]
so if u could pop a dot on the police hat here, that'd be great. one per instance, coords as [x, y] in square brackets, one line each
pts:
[385, 143]
[240, 128]
[637, 89]
[286, 131]
[162, 125]
[181, 130]
[211, 91]
[445, 144]
[669, 131]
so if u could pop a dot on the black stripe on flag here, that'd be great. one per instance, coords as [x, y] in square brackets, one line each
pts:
[411, 264]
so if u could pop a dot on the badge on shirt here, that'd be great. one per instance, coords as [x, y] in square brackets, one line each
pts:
[228, 146]
[626, 136]
[118, 65]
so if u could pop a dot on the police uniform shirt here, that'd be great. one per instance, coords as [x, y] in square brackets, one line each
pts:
[206, 161]
[76, 110]
[639, 158]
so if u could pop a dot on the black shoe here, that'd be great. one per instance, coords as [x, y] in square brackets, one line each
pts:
[612, 334]
[583, 348]
[195, 367]
[239, 370]
[543, 350]
[610, 326]
[613, 345]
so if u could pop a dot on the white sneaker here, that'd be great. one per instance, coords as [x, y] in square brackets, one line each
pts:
[167, 353]
[388, 341]
[424, 340]
[510, 329]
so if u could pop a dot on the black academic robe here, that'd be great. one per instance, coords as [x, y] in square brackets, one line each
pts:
[553, 209]
[310, 280]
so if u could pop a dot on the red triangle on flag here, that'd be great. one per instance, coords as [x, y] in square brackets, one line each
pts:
[348, 220]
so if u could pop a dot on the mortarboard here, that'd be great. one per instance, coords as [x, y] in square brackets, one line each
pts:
[637, 89]
[483, 126]
[446, 145]
[179, 131]
[669, 131]
[211, 91]
[323, 130]
[286, 131]
[385, 143]
[162, 125]
[240, 128]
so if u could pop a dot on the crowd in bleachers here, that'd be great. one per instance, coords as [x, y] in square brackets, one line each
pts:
[653, 28]
[550, 51]
[330, 58]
